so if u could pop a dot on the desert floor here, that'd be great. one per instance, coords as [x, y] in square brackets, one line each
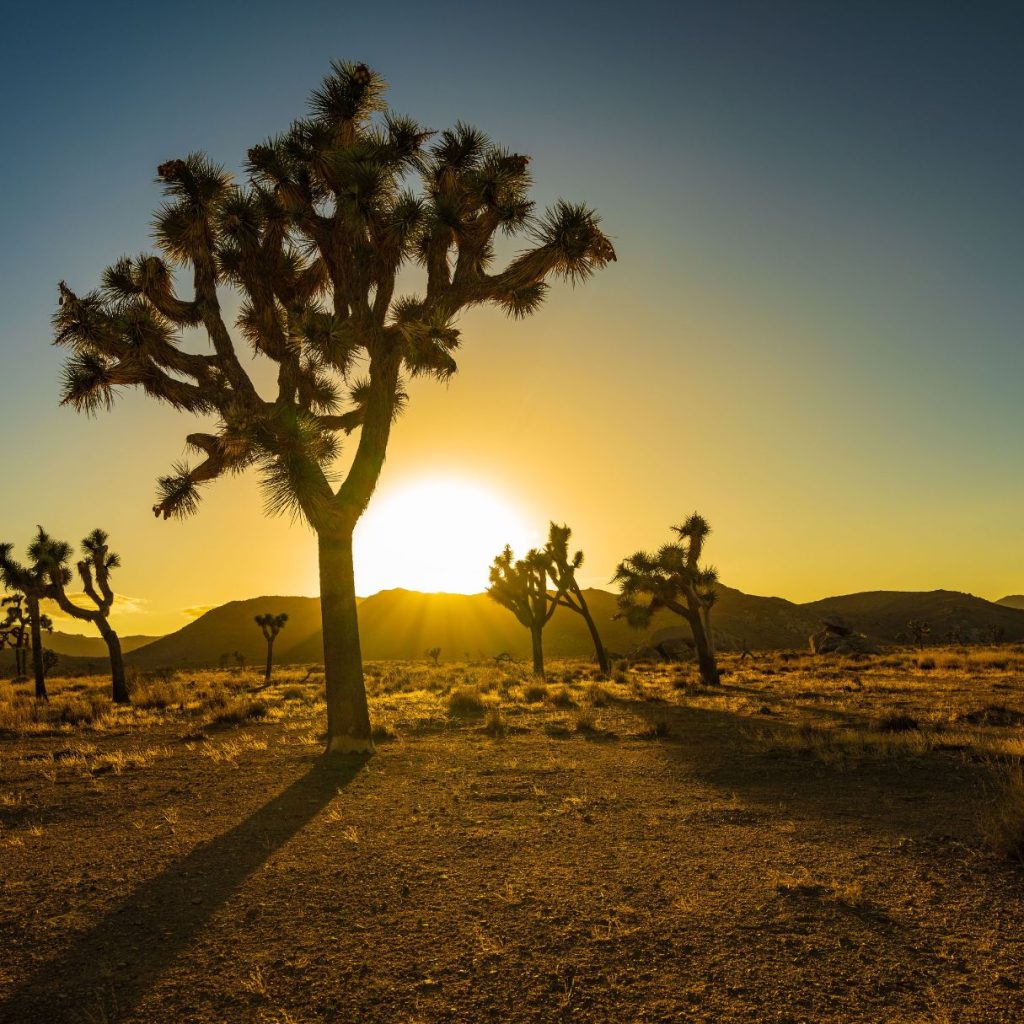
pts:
[817, 840]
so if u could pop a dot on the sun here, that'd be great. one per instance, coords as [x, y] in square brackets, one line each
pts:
[435, 534]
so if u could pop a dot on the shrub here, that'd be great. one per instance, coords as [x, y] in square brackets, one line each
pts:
[562, 698]
[598, 696]
[465, 701]
[897, 722]
[240, 710]
[926, 664]
[496, 725]
[535, 692]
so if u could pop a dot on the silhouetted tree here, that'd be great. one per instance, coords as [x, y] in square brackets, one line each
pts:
[14, 631]
[94, 568]
[313, 244]
[919, 630]
[271, 625]
[562, 570]
[674, 578]
[522, 587]
[50, 660]
[434, 654]
[31, 581]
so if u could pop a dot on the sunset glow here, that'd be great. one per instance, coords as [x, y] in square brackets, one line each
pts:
[436, 535]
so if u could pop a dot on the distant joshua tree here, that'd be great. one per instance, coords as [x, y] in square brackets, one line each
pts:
[674, 578]
[434, 654]
[94, 570]
[50, 660]
[521, 587]
[562, 570]
[32, 583]
[14, 631]
[919, 630]
[271, 625]
[313, 246]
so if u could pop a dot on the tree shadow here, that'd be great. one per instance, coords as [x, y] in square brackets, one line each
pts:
[893, 793]
[160, 918]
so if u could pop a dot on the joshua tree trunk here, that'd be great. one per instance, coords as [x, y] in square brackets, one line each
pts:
[538, 651]
[708, 632]
[37, 648]
[705, 652]
[117, 674]
[602, 654]
[348, 715]
[270, 661]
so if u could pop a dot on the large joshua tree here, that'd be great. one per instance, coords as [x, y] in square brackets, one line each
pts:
[521, 586]
[562, 570]
[313, 243]
[674, 578]
[30, 581]
[94, 568]
[271, 625]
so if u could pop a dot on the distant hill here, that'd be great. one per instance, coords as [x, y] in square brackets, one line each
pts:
[884, 613]
[402, 624]
[227, 629]
[90, 646]
[1012, 601]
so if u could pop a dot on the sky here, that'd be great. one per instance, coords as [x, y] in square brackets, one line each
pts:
[812, 334]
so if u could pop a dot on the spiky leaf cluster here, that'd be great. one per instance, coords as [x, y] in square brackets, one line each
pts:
[271, 624]
[52, 559]
[312, 243]
[672, 577]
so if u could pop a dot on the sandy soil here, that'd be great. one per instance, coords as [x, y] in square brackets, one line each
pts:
[663, 863]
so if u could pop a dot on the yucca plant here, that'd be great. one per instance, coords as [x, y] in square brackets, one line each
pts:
[53, 557]
[312, 244]
[31, 582]
[14, 631]
[674, 578]
[520, 585]
[271, 625]
[562, 570]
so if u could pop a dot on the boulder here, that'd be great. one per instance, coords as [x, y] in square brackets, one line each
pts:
[827, 641]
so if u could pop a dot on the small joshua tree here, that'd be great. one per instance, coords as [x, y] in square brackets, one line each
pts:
[310, 250]
[673, 578]
[562, 570]
[521, 587]
[94, 568]
[434, 654]
[271, 625]
[30, 581]
[919, 630]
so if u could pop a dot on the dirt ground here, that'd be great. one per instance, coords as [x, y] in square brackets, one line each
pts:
[637, 851]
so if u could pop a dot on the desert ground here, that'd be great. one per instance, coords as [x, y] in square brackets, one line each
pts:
[819, 839]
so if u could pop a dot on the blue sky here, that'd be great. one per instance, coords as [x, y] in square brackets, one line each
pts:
[813, 333]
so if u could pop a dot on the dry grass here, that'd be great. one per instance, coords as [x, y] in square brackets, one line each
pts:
[1002, 817]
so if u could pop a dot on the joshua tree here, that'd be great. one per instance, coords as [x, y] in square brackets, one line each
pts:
[271, 625]
[919, 630]
[14, 631]
[50, 660]
[562, 571]
[434, 654]
[312, 245]
[674, 578]
[522, 587]
[30, 581]
[94, 569]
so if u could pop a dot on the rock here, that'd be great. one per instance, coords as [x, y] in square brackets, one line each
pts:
[675, 649]
[827, 641]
